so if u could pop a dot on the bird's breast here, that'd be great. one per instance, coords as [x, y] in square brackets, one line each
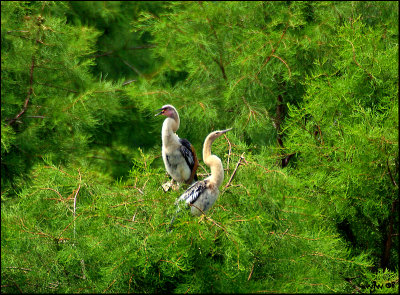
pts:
[176, 165]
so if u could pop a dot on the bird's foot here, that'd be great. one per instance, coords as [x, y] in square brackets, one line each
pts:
[170, 185]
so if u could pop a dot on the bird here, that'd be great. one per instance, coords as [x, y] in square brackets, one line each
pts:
[178, 154]
[202, 195]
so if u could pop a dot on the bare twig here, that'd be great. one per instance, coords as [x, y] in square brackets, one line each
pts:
[229, 152]
[112, 283]
[19, 268]
[138, 189]
[132, 67]
[21, 31]
[128, 82]
[76, 194]
[39, 117]
[206, 173]
[68, 225]
[234, 171]
[251, 272]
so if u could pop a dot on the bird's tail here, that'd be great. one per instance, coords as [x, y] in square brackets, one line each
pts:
[177, 213]
[170, 227]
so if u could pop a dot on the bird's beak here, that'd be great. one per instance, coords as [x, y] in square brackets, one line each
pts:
[160, 113]
[226, 130]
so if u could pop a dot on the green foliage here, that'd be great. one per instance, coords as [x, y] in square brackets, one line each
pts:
[121, 54]
[51, 104]
[343, 135]
[314, 84]
[75, 232]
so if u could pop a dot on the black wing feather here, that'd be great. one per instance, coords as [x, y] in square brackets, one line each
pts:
[186, 152]
[193, 192]
[189, 196]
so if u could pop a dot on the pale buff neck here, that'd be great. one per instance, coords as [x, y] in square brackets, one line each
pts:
[215, 164]
[170, 126]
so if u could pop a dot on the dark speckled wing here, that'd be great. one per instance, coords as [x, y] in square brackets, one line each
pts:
[193, 192]
[187, 153]
[190, 157]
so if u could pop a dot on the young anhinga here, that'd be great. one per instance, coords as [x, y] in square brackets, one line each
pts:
[203, 193]
[179, 156]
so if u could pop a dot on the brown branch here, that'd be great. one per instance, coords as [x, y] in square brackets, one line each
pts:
[273, 50]
[68, 226]
[128, 48]
[234, 171]
[112, 283]
[390, 174]
[53, 86]
[221, 66]
[30, 91]
[356, 288]
[278, 119]
[47, 188]
[266, 170]
[213, 221]
[218, 62]
[320, 135]
[290, 73]
[132, 67]
[39, 117]
[251, 272]
[388, 243]
[355, 61]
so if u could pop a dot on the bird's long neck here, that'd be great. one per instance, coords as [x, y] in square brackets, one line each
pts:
[170, 126]
[215, 164]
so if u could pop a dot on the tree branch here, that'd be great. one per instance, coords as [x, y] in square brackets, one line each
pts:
[273, 50]
[234, 171]
[355, 61]
[388, 243]
[30, 91]
[218, 62]
[390, 174]
[53, 86]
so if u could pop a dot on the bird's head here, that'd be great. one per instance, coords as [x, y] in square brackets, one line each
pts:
[214, 135]
[168, 111]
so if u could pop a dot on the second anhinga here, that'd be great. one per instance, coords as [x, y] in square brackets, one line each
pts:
[202, 194]
[178, 154]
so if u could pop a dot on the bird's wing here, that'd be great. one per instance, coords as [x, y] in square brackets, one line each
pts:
[193, 192]
[188, 152]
